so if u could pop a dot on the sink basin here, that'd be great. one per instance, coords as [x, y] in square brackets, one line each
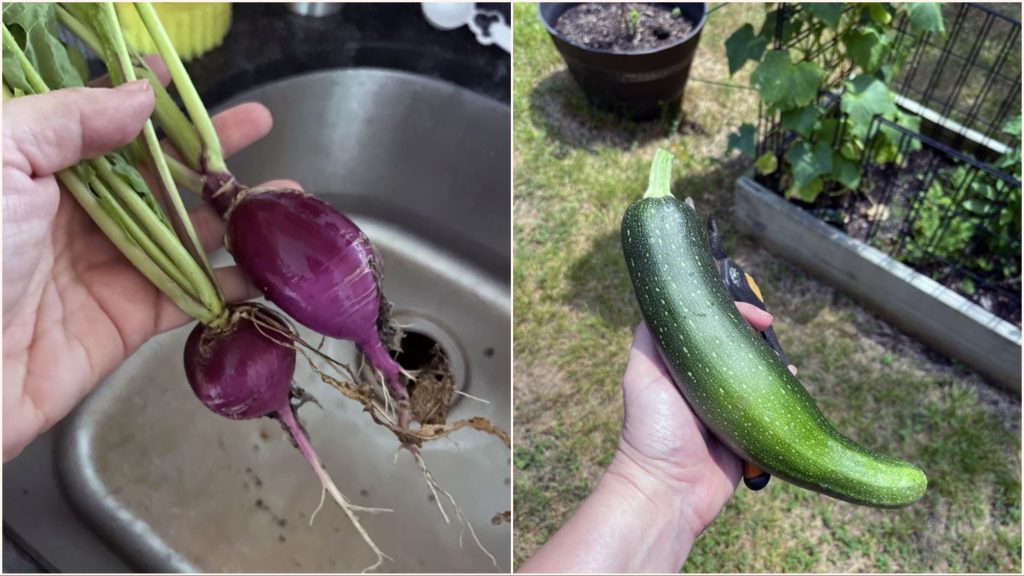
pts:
[422, 167]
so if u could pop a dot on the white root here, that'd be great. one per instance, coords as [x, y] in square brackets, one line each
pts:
[471, 397]
[287, 418]
[434, 489]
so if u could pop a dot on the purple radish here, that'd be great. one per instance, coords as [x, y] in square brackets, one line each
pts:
[244, 371]
[316, 265]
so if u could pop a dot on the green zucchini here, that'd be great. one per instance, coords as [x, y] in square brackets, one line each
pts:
[731, 378]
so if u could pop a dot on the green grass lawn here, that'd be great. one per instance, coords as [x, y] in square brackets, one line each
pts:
[576, 170]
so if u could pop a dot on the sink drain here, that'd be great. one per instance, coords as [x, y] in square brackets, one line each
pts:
[418, 351]
[430, 354]
[433, 390]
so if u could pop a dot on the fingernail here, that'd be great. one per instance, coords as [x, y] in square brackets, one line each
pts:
[134, 86]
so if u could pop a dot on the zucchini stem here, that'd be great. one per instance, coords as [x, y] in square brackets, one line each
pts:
[660, 183]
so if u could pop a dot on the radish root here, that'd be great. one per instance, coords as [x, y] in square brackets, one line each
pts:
[287, 418]
[434, 489]
[384, 415]
[365, 395]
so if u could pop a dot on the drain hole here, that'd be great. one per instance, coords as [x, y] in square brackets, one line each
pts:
[417, 351]
[434, 388]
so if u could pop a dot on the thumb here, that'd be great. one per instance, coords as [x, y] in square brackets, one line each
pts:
[49, 132]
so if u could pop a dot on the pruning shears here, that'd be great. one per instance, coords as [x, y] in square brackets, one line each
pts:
[742, 288]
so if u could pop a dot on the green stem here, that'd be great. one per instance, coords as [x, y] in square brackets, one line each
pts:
[722, 84]
[34, 79]
[172, 120]
[80, 30]
[660, 183]
[140, 259]
[108, 201]
[175, 124]
[106, 223]
[201, 276]
[162, 235]
[185, 176]
[214, 157]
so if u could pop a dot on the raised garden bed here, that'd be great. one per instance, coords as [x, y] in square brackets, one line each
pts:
[910, 300]
[911, 210]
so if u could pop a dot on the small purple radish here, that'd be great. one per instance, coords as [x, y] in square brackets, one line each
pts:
[316, 265]
[244, 371]
[239, 372]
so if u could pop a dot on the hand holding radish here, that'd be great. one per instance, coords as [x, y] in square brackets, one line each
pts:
[90, 283]
[668, 480]
[74, 308]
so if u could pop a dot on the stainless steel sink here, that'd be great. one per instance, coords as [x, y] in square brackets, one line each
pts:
[422, 167]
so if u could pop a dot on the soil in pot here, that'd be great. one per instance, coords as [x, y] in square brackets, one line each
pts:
[623, 26]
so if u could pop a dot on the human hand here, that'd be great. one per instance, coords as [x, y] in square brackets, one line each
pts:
[74, 307]
[663, 439]
[668, 480]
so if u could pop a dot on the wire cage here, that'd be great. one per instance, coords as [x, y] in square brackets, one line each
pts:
[948, 200]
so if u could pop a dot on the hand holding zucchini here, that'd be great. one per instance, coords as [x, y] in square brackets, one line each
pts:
[731, 377]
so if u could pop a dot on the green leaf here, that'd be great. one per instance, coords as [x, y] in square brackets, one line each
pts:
[879, 13]
[767, 163]
[34, 27]
[743, 140]
[908, 121]
[14, 76]
[884, 148]
[1012, 126]
[867, 48]
[912, 123]
[866, 97]
[979, 207]
[925, 16]
[850, 150]
[827, 12]
[808, 161]
[826, 130]
[886, 72]
[808, 193]
[79, 61]
[124, 168]
[800, 120]
[790, 26]
[744, 46]
[785, 85]
[846, 172]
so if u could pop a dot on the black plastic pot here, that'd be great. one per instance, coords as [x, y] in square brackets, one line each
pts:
[639, 84]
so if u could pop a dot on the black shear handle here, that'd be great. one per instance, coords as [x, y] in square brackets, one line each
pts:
[741, 286]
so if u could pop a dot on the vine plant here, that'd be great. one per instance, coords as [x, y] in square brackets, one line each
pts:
[826, 111]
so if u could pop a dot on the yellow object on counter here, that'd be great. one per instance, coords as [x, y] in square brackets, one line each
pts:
[194, 28]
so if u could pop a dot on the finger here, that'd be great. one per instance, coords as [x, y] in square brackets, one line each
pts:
[235, 284]
[242, 125]
[209, 227]
[758, 319]
[56, 130]
[644, 360]
[282, 183]
[792, 369]
[153, 61]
